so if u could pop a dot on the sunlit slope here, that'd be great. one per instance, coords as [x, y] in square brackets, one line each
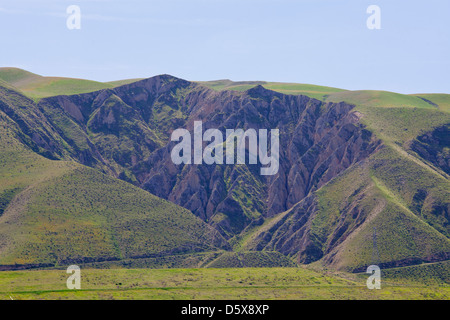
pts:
[427, 273]
[37, 87]
[58, 212]
[18, 77]
[374, 98]
[441, 100]
[387, 210]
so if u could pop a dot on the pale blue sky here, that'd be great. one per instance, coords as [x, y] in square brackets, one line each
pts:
[323, 42]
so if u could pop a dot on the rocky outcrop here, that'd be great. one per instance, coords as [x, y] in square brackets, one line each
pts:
[317, 142]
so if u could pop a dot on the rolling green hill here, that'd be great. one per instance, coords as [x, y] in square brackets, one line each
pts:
[37, 87]
[387, 190]
[373, 98]
[441, 100]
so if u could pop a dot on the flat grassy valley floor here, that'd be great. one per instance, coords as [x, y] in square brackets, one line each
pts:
[228, 283]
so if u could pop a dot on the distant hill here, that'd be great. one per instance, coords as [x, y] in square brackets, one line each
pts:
[37, 87]
[313, 91]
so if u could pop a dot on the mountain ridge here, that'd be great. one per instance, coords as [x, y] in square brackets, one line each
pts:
[124, 132]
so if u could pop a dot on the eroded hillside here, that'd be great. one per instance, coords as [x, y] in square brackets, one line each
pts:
[346, 171]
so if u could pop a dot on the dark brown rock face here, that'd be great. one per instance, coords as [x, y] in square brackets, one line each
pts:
[317, 142]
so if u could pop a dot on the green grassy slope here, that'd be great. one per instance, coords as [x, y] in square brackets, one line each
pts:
[53, 86]
[313, 91]
[428, 273]
[374, 98]
[251, 259]
[382, 196]
[441, 100]
[16, 76]
[37, 87]
[55, 212]
[400, 125]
